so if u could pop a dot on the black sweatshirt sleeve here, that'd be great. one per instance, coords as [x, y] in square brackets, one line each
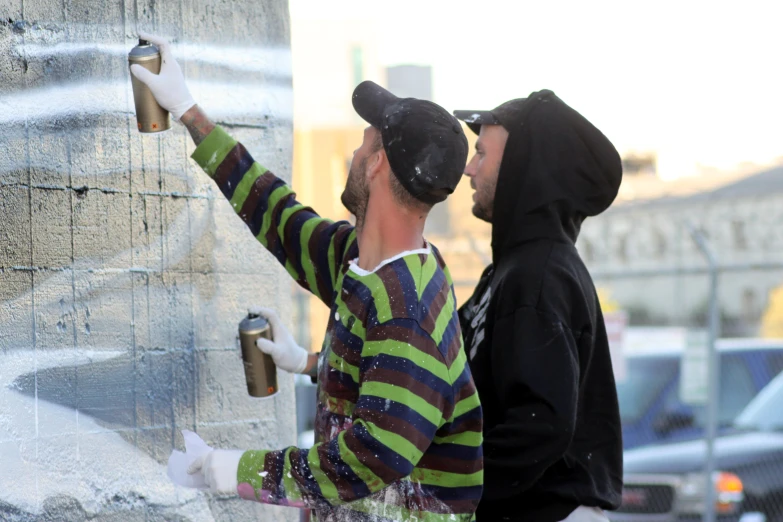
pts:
[535, 367]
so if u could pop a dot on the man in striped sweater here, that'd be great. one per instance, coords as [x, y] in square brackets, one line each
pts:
[399, 421]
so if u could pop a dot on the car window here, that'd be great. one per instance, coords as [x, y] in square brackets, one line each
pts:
[645, 379]
[775, 363]
[764, 411]
[736, 391]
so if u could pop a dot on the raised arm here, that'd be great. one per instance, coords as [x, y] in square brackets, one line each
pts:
[311, 248]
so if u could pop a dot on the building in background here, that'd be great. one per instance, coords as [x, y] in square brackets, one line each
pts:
[741, 218]
[326, 132]
[640, 164]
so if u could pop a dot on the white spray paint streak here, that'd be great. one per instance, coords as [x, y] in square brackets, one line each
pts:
[117, 468]
[113, 464]
[249, 59]
[220, 100]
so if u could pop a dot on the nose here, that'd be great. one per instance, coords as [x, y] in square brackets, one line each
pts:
[470, 168]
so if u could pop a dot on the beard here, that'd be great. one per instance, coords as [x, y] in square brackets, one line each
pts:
[356, 193]
[484, 200]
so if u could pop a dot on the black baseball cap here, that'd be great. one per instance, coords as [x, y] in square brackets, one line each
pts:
[504, 114]
[426, 146]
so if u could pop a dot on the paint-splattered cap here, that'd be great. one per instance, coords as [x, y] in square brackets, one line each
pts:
[425, 145]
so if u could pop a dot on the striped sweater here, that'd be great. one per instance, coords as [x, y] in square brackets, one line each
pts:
[399, 426]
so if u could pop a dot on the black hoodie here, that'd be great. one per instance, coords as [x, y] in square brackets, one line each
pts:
[533, 328]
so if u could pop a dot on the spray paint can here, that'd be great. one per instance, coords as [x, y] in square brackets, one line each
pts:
[150, 116]
[260, 369]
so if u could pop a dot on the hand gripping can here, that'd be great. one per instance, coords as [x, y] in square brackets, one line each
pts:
[150, 117]
[260, 369]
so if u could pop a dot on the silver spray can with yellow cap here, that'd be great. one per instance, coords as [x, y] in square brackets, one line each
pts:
[150, 117]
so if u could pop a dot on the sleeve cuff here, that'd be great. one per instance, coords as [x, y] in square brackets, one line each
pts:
[251, 468]
[211, 152]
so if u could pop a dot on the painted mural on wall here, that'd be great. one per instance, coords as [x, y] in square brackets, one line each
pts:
[123, 275]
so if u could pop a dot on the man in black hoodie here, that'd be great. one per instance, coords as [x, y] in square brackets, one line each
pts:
[533, 328]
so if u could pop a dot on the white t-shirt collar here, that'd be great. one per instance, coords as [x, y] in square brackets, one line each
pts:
[354, 267]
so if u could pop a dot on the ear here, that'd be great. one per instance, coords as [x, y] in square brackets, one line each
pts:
[376, 164]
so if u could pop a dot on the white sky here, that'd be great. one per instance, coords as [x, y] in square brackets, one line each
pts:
[699, 82]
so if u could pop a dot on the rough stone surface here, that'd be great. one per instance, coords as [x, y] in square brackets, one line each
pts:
[123, 272]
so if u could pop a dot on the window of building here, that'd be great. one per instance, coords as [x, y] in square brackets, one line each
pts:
[622, 248]
[738, 234]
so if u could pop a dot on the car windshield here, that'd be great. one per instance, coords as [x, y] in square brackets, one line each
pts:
[645, 378]
[765, 411]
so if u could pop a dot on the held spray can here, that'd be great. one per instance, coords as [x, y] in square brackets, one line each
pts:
[260, 370]
[150, 116]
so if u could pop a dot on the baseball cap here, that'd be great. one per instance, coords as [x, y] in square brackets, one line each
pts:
[425, 145]
[504, 114]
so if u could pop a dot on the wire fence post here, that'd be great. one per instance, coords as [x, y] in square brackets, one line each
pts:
[713, 370]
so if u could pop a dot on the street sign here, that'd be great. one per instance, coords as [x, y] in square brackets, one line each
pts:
[616, 324]
[694, 369]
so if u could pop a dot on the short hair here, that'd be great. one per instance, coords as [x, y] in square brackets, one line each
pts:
[401, 195]
[377, 142]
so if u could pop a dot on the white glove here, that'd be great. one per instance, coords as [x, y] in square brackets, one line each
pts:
[219, 468]
[284, 351]
[168, 87]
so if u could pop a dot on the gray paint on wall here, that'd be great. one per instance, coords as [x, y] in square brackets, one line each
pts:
[123, 272]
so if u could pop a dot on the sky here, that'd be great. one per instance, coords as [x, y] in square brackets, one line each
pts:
[699, 83]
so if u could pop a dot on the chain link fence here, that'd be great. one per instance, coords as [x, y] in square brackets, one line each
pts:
[699, 368]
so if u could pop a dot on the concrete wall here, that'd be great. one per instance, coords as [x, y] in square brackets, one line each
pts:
[123, 274]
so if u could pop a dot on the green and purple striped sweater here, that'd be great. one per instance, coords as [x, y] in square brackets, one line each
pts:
[399, 425]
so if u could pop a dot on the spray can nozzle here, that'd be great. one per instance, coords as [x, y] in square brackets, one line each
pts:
[143, 42]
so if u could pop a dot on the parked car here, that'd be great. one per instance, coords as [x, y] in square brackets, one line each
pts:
[666, 483]
[650, 406]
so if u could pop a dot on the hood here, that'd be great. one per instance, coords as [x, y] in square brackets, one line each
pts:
[557, 169]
